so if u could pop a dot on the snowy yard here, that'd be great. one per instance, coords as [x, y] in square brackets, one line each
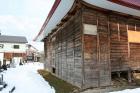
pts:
[26, 80]
[106, 90]
[137, 90]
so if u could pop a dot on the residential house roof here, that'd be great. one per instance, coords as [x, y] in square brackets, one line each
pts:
[13, 39]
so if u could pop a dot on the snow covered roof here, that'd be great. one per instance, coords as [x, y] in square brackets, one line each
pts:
[12, 39]
[62, 7]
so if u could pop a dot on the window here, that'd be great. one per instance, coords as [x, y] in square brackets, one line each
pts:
[16, 46]
[1, 46]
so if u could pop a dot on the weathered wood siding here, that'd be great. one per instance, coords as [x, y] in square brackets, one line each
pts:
[47, 50]
[134, 53]
[104, 50]
[134, 56]
[87, 59]
[91, 71]
[134, 47]
[64, 51]
[122, 52]
[96, 50]
[118, 43]
[73, 38]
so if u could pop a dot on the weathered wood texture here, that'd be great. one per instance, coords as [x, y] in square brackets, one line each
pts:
[96, 50]
[87, 60]
[134, 47]
[134, 56]
[47, 50]
[64, 51]
[104, 50]
[118, 43]
[91, 70]
[120, 47]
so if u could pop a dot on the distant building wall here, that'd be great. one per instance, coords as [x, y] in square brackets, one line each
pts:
[32, 53]
[11, 50]
[9, 47]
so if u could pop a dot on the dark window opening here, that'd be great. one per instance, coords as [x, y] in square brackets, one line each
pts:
[116, 76]
[1, 45]
[16, 46]
[53, 70]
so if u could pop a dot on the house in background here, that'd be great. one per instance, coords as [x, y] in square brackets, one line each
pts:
[86, 41]
[12, 48]
[32, 53]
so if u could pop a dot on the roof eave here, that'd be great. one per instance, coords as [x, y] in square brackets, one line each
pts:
[55, 5]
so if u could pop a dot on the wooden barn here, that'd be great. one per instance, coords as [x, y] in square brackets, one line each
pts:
[85, 41]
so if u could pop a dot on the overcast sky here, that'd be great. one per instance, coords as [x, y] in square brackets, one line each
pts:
[24, 18]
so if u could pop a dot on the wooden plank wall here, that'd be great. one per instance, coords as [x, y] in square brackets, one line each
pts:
[47, 48]
[65, 51]
[45, 53]
[134, 63]
[96, 50]
[91, 70]
[122, 58]
[88, 60]
[134, 56]
[118, 43]
[104, 50]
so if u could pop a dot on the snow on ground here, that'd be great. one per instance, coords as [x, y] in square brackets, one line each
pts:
[137, 90]
[26, 79]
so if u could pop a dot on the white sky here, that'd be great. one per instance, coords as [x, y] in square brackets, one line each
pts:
[24, 18]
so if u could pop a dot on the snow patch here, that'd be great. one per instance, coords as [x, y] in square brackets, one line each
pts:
[26, 80]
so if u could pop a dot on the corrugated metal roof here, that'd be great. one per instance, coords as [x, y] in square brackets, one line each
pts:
[13, 39]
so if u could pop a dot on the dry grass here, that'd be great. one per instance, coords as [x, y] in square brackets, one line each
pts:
[59, 85]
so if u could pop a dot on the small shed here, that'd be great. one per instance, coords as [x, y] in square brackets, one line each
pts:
[87, 40]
